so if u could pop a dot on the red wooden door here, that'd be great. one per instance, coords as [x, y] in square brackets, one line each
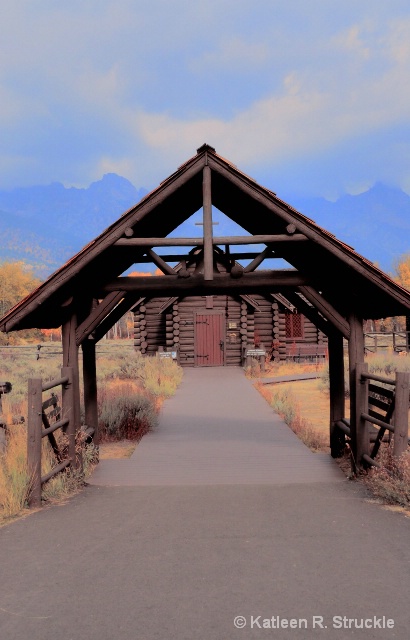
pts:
[209, 340]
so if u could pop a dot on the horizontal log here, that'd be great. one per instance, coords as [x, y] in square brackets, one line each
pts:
[267, 280]
[193, 242]
[179, 257]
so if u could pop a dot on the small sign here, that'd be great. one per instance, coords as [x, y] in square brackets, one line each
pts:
[256, 352]
[232, 325]
[168, 354]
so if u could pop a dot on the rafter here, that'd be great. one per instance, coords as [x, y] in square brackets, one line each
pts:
[116, 314]
[326, 309]
[97, 315]
[311, 313]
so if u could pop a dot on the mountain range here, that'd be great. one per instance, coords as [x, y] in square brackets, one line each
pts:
[46, 225]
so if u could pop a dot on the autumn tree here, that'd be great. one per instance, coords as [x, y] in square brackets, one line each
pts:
[403, 277]
[403, 271]
[16, 282]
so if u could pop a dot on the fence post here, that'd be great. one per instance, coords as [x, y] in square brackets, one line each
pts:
[67, 392]
[34, 428]
[362, 406]
[401, 413]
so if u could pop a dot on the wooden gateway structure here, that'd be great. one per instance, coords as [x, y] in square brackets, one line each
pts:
[329, 283]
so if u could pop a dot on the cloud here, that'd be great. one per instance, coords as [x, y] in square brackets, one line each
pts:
[136, 87]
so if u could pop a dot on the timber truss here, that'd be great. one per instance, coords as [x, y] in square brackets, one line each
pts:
[329, 282]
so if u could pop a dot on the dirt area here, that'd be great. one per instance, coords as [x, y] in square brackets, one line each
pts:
[116, 450]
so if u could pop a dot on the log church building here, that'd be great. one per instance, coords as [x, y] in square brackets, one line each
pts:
[218, 330]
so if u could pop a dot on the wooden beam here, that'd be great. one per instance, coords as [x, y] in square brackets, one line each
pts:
[222, 282]
[258, 260]
[106, 240]
[97, 315]
[70, 359]
[356, 360]
[207, 209]
[311, 313]
[179, 257]
[90, 387]
[326, 309]
[116, 314]
[160, 262]
[251, 302]
[336, 392]
[193, 242]
[167, 304]
[285, 302]
[310, 230]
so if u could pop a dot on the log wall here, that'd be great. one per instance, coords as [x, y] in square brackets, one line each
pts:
[174, 328]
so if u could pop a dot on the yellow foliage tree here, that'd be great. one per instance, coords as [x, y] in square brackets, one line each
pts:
[403, 271]
[16, 282]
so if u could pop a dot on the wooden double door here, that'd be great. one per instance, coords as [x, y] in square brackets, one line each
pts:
[209, 339]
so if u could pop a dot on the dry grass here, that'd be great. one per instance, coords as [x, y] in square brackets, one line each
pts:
[391, 483]
[274, 369]
[117, 450]
[293, 403]
[14, 475]
[131, 391]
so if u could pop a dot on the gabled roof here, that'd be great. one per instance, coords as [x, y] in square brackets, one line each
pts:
[345, 278]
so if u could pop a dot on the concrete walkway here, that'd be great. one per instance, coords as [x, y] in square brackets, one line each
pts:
[217, 429]
[174, 562]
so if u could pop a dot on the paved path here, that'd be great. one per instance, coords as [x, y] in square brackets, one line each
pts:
[181, 562]
[217, 429]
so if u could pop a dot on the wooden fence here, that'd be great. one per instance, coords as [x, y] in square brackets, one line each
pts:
[44, 418]
[382, 413]
[376, 341]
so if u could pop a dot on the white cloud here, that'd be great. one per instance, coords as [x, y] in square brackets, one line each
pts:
[136, 87]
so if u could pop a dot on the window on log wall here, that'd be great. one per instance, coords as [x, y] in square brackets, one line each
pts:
[294, 325]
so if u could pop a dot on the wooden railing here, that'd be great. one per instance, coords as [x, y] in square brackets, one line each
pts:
[382, 413]
[399, 341]
[45, 417]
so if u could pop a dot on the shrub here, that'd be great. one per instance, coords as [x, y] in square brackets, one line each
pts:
[161, 376]
[125, 413]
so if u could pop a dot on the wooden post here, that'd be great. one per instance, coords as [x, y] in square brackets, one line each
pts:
[70, 359]
[401, 413]
[34, 427]
[207, 207]
[356, 357]
[90, 387]
[336, 392]
[362, 406]
[68, 411]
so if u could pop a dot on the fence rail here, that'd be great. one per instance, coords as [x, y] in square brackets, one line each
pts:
[370, 400]
[43, 425]
[399, 341]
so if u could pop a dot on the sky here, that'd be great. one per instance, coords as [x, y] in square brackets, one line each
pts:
[309, 98]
